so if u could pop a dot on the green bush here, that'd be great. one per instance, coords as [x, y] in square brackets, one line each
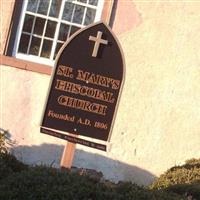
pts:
[183, 179]
[9, 165]
[192, 189]
[192, 162]
[185, 174]
[129, 191]
[44, 183]
[21, 182]
[3, 138]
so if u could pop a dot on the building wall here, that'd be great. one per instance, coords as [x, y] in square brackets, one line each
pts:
[158, 120]
[6, 9]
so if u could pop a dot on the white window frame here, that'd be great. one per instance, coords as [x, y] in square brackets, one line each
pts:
[50, 61]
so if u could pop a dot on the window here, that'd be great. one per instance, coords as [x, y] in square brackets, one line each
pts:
[46, 24]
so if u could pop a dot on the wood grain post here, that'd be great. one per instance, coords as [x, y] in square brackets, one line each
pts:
[68, 155]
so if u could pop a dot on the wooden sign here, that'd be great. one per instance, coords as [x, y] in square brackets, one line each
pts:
[86, 86]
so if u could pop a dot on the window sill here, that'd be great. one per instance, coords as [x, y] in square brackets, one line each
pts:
[25, 65]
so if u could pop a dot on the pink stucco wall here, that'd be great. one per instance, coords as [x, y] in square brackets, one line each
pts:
[6, 9]
[158, 119]
[126, 16]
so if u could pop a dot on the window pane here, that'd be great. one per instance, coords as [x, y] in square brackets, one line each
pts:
[55, 8]
[23, 45]
[93, 2]
[46, 49]
[28, 23]
[64, 29]
[43, 7]
[35, 46]
[90, 16]
[50, 29]
[32, 5]
[83, 1]
[78, 14]
[47, 24]
[58, 46]
[68, 10]
[39, 26]
[74, 29]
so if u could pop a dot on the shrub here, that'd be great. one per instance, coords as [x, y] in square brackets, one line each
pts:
[129, 191]
[21, 182]
[43, 183]
[3, 138]
[192, 189]
[9, 164]
[183, 179]
[192, 162]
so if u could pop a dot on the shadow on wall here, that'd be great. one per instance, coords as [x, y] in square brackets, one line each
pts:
[114, 170]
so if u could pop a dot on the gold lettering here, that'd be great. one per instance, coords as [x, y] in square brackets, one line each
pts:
[82, 105]
[101, 125]
[115, 84]
[60, 85]
[82, 76]
[97, 79]
[85, 122]
[65, 117]
[65, 71]
[84, 91]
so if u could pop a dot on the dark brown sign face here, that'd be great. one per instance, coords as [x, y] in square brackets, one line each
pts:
[86, 84]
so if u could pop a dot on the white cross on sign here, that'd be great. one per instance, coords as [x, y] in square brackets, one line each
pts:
[98, 40]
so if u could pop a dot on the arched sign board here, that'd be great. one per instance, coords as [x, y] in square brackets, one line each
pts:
[85, 87]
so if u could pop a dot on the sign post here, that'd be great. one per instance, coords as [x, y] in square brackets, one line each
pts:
[68, 155]
[85, 89]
